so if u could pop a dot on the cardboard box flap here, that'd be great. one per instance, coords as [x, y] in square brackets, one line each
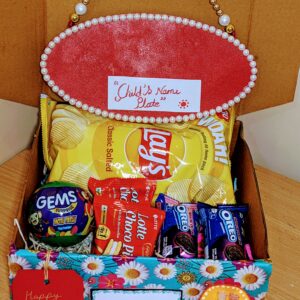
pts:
[269, 29]
[21, 43]
[274, 38]
[248, 193]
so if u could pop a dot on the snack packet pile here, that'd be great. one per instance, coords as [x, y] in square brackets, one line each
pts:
[162, 189]
[203, 231]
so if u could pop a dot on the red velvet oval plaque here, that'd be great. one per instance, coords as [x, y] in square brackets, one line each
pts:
[148, 68]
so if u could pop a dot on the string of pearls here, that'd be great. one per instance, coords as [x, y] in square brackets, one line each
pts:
[80, 10]
[224, 20]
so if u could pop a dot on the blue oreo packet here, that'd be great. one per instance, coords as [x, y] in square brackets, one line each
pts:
[224, 231]
[179, 233]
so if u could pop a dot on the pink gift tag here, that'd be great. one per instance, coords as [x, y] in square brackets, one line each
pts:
[63, 285]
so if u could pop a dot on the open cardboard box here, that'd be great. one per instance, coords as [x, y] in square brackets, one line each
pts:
[28, 26]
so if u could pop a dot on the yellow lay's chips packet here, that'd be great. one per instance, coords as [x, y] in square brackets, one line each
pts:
[190, 161]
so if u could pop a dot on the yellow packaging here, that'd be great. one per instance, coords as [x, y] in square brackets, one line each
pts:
[190, 162]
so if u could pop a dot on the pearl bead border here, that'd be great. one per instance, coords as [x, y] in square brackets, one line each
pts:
[151, 17]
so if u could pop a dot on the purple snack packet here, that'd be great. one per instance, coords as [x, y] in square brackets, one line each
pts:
[179, 233]
[225, 236]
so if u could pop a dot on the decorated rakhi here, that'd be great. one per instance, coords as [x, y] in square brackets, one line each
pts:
[149, 68]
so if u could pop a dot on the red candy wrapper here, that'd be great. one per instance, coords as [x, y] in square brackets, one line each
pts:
[134, 190]
[126, 228]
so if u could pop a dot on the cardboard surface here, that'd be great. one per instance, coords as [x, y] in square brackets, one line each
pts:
[268, 28]
[22, 40]
[248, 193]
[274, 39]
[35, 166]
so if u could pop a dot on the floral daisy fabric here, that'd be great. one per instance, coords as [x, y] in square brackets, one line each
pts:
[192, 276]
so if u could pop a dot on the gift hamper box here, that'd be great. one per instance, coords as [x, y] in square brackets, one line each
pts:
[70, 136]
[192, 276]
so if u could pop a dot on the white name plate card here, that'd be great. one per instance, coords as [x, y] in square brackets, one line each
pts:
[136, 294]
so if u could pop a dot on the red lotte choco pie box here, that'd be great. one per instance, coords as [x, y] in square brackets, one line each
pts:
[126, 229]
